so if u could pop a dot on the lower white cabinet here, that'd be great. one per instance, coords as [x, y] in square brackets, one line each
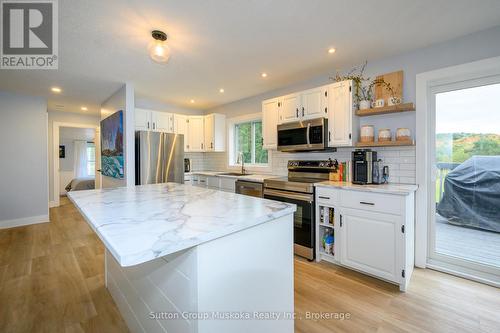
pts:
[213, 182]
[373, 232]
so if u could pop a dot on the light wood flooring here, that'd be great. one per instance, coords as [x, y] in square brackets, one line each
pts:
[51, 280]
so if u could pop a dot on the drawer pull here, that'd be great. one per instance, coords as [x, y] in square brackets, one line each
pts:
[321, 197]
[367, 203]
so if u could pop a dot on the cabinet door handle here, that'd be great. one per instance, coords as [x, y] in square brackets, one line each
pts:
[321, 197]
[154, 125]
[211, 144]
[326, 110]
[303, 111]
[297, 112]
[341, 220]
[202, 146]
[367, 203]
[329, 136]
[148, 124]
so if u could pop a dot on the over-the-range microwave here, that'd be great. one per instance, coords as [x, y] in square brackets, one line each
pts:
[306, 135]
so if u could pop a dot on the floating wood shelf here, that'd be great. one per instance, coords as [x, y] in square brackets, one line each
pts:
[386, 110]
[385, 144]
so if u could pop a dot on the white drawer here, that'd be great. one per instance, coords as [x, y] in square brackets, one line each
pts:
[227, 184]
[202, 181]
[213, 182]
[375, 202]
[327, 197]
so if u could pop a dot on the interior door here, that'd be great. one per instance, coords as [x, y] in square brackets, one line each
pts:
[370, 243]
[289, 110]
[313, 103]
[340, 114]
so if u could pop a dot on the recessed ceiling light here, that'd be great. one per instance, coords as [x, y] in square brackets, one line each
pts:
[263, 74]
[331, 50]
[221, 90]
[56, 89]
[84, 108]
[191, 101]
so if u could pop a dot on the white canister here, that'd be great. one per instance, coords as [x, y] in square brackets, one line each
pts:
[384, 135]
[367, 133]
[403, 134]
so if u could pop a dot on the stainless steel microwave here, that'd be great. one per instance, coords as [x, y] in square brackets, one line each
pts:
[303, 135]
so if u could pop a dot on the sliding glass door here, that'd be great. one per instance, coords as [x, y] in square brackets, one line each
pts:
[464, 231]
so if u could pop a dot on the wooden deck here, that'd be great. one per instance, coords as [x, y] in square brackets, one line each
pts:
[467, 243]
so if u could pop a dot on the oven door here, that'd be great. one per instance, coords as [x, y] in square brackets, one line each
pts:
[303, 219]
[302, 135]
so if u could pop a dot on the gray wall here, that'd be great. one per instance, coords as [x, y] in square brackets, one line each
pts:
[64, 117]
[123, 99]
[23, 161]
[465, 49]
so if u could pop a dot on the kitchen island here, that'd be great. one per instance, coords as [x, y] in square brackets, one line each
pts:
[189, 259]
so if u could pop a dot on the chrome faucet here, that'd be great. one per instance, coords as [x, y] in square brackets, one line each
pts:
[241, 160]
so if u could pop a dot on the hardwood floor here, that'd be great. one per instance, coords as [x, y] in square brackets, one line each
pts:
[51, 280]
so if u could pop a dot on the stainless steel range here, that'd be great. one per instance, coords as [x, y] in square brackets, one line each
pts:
[298, 188]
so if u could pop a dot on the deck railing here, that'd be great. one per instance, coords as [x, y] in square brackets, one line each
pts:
[443, 169]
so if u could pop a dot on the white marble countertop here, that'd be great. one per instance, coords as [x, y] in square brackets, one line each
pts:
[141, 223]
[258, 178]
[391, 188]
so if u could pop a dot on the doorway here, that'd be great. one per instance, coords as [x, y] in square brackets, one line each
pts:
[76, 158]
[464, 194]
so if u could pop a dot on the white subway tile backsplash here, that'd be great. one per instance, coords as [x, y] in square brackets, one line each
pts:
[401, 161]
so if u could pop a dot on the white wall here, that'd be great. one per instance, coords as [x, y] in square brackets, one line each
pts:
[123, 99]
[64, 117]
[23, 160]
[151, 104]
[473, 47]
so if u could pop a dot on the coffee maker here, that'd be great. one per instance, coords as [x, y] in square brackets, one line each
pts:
[362, 166]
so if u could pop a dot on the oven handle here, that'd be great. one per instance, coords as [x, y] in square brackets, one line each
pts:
[289, 195]
[307, 133]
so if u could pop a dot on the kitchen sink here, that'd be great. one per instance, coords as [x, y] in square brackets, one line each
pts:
[235, 174]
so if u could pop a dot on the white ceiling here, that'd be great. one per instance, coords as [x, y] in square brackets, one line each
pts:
[75, 133]
[228, 43]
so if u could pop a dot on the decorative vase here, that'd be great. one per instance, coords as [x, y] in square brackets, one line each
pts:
[367, 134]
[364, 104]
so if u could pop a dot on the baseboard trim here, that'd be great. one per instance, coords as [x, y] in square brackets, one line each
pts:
[52, 204]
[24, 221]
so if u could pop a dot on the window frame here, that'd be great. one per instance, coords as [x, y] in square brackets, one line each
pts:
[231, 144]
[91, 144]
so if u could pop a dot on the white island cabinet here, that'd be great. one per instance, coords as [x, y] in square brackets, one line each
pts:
[373, 228]
[185, 259]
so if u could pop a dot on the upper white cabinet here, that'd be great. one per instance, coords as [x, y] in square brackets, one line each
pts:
[149, 120]
[215, 132]
[162, 121]
[289, 110]
[201, 133]
[196, 139]
[142, 120]
[342, 125]
[314, 103]
[181, 127]
[270, 120]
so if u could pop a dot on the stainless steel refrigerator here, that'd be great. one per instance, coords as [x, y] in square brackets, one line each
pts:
[159, 158]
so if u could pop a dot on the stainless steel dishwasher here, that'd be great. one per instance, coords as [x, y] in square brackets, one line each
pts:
[252, 189]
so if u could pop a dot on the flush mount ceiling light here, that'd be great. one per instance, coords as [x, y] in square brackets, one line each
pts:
[331, 50]
[84, 108]
[191, 101]
[263, 75]
[221, 90]
[158, 48]
[56, 90]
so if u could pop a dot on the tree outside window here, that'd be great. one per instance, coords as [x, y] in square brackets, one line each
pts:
[248, 140]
